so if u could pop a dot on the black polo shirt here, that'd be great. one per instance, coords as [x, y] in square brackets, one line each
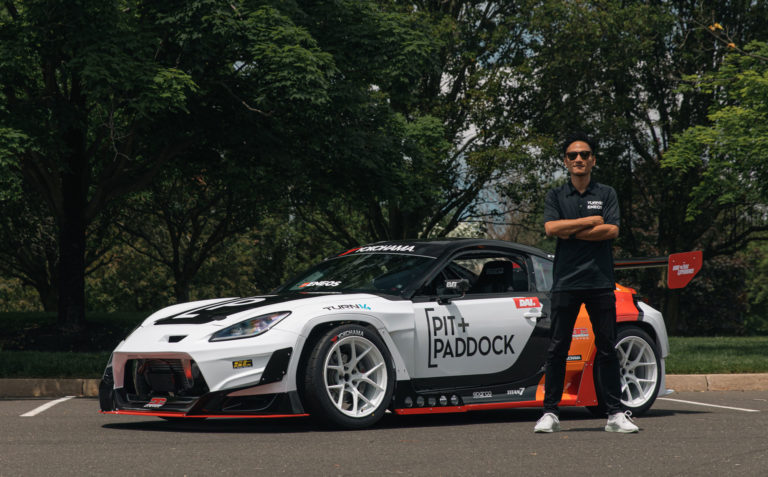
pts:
[582, 264]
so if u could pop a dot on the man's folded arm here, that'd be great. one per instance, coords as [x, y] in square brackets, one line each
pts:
[598, 233]
[564, 228]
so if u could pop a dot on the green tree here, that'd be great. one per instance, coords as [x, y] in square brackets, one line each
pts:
[615, 69]
[78, 80]
[98, 97]
[415, 133]
[30, 249]
[756, 257]
[189, 215]
[728, 154]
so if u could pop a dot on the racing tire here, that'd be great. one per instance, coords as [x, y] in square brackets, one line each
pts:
[640, 372]
[349, 378]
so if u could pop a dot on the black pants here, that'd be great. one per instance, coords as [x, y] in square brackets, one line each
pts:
[601, 306]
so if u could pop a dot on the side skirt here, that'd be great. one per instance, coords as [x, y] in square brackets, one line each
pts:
[529, 393]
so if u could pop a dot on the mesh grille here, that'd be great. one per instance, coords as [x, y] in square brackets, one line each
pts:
[166, 377]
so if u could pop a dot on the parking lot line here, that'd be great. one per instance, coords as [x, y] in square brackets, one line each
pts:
[711, 405]
[45, 407]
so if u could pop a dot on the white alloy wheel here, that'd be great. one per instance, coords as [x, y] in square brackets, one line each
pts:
[639, 368]
[349, 377]
[355, 376]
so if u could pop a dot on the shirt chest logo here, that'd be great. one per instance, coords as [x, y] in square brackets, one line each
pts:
[594, 205]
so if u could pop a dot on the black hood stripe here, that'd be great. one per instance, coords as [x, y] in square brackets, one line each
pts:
[221, 310]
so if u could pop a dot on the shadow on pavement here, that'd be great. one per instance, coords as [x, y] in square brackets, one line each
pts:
[389, 421]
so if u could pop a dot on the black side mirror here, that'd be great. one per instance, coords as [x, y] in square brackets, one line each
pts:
[455, 288]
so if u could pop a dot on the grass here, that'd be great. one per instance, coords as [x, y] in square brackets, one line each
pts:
[31, 347]
[718, 355]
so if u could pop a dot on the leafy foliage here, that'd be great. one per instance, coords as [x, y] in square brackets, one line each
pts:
[99, 96]
[729, 153]
[161, 151]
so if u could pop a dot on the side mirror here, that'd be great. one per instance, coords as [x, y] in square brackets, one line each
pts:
[456, 288]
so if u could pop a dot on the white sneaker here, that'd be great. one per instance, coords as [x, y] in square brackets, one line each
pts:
[548, 423]
[621, 422]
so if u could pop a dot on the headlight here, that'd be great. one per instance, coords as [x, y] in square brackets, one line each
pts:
[250, 327]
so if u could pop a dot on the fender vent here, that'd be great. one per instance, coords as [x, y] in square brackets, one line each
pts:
[176, 339]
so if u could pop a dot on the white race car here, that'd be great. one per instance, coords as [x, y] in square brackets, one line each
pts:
[415, 327]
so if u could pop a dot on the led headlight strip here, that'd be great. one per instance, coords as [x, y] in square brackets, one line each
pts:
[250, 327]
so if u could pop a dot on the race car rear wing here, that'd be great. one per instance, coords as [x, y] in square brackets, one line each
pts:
[681, 267]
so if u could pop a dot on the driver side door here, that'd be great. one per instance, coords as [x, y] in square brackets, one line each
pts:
[497, 333]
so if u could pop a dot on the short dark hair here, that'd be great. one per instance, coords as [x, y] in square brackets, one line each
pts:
[579, 136]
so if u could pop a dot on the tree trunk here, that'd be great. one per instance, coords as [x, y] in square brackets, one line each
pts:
[676, 322]
[72, 225]
[72, 271]
[181, 288]
[48, 297]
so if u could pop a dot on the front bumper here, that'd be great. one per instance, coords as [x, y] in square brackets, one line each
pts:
[172, 385]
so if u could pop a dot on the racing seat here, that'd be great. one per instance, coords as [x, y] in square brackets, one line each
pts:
[497, 276]
[519, 279]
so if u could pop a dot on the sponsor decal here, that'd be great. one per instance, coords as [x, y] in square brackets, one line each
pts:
[527, 302]
[156, 402]
[574, 357]
[515, 392]
[349, 251]
[482, 394]
[382, 248]
[449, 338]
[344, 334]
[580, 333]
[683, 269]
[594, 205]
[243, 363]
[452, 283]
[327, 283]
[347, 307]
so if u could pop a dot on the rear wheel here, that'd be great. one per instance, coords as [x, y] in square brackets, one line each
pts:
[639, 368]
[349, 378]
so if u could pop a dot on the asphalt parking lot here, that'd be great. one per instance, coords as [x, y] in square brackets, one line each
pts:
[694, 433]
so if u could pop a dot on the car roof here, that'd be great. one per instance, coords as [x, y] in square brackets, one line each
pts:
[442, 246]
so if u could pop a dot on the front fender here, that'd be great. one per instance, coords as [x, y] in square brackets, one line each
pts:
[330, 319]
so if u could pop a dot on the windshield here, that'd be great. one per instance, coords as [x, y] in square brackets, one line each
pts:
[365, 273]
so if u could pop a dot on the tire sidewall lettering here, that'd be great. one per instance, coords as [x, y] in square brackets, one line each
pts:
[317, 398]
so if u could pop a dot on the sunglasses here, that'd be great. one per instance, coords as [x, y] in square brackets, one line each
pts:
[584, 154]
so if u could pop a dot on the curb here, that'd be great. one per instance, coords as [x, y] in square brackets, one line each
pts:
[30, 388]
[718, 382]
[33, 388]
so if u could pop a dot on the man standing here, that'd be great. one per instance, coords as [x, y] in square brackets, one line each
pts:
[584, 216]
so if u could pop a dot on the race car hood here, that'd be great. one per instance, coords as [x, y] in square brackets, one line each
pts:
[220, 310]
[197, 321]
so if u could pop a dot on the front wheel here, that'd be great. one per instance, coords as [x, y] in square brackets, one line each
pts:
[349, 378]
[640, 369]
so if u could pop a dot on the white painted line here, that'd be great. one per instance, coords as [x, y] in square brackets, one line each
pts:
[45, 407]
[711, 405]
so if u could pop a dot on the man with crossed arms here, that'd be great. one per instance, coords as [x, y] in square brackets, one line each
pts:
[584, 216]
